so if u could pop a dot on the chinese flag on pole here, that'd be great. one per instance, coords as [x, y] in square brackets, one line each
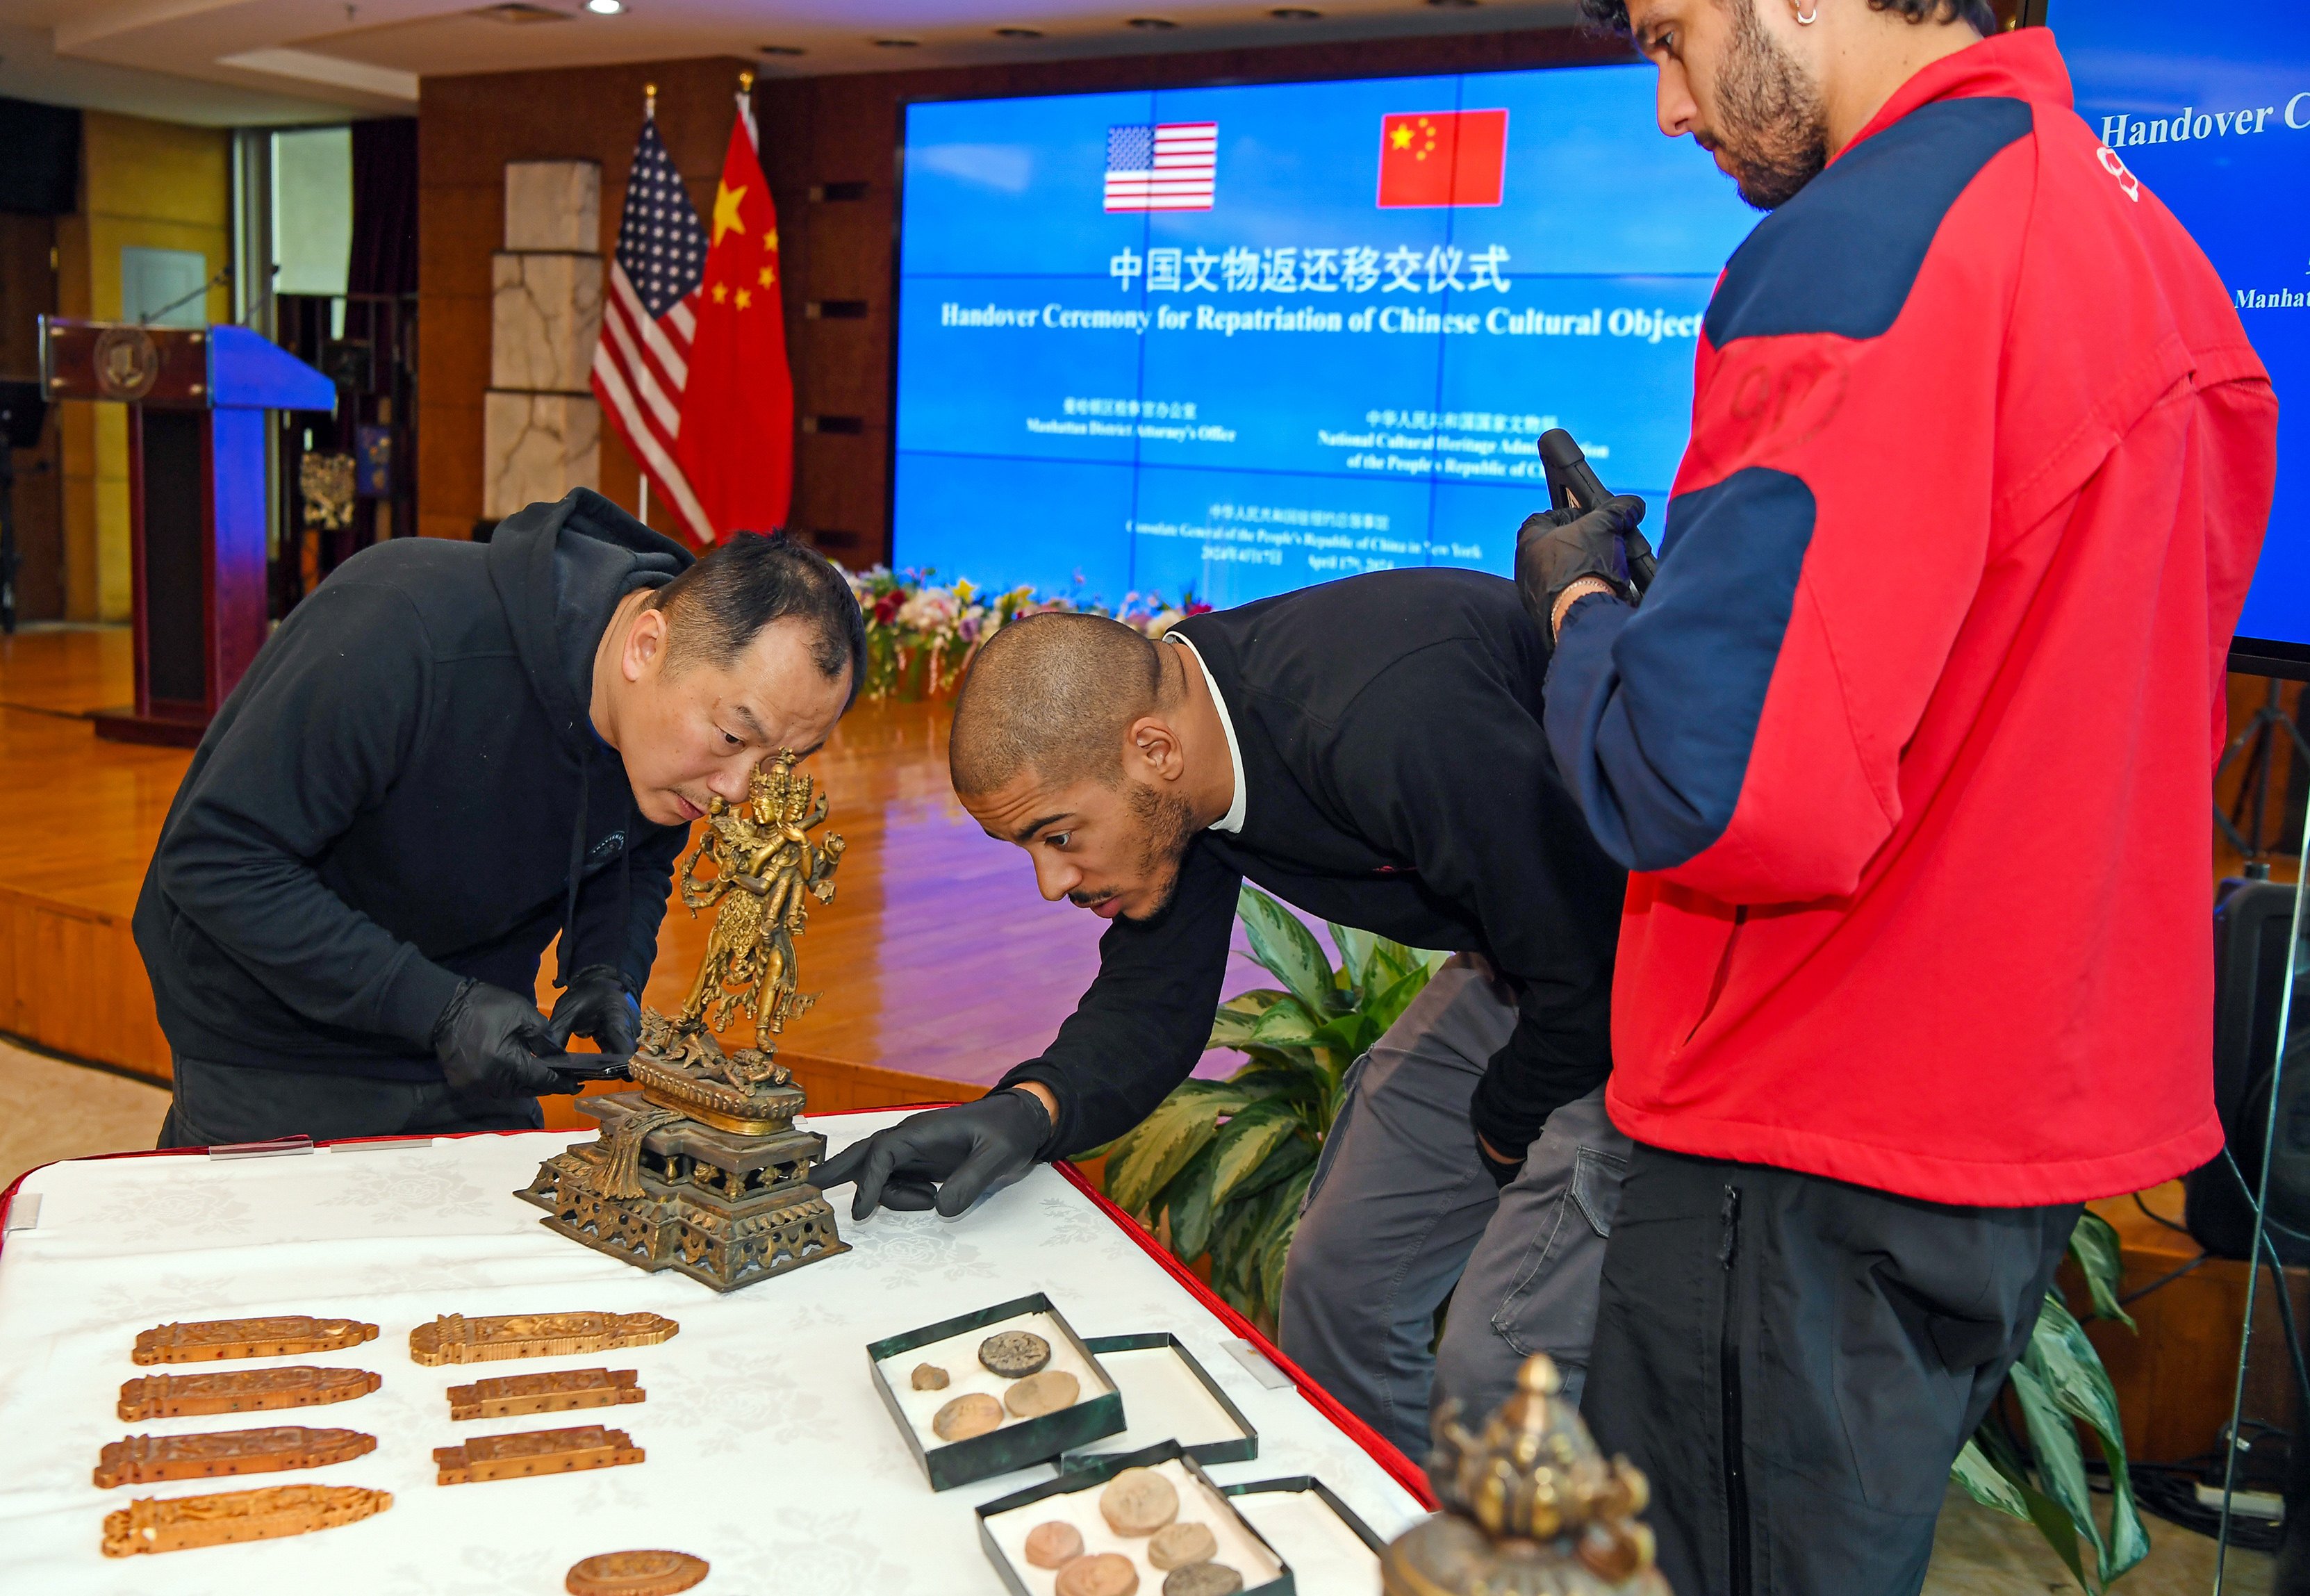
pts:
[1442, 158]
[736, 444]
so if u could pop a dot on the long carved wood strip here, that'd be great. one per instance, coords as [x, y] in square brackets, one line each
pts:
[141, 1459]
[451, 1338]
[240, 1390]
[512, 1395]
[178, 1523]
[284, 1335]
[535, 1452]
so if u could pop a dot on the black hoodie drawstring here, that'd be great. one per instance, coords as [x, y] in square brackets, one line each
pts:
[576, 869]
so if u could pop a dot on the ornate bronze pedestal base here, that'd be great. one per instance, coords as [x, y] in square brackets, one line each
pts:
[659, 1190]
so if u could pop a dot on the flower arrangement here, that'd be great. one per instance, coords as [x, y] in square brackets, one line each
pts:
[920, 636]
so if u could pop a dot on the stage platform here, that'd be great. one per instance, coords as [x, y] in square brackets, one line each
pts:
[941, 966]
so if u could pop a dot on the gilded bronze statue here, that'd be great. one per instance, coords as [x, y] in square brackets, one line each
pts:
[702, 1171]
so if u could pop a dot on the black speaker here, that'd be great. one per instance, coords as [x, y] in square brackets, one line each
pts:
[23, 409]
[40, 175]
[2254, 945]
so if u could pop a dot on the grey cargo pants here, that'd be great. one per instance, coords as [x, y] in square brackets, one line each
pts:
[1402, 1214]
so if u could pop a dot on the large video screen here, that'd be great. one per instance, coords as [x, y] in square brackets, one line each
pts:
[1234, 341]
[2210, 106]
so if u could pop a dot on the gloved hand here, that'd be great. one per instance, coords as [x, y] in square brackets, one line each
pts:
[946, 1158]
[1557, 547]
[597, 1003]
[1501, 1170]
[493, 1042]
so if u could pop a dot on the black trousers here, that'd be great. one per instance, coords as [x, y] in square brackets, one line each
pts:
[1795, 1363]
[211, 1104]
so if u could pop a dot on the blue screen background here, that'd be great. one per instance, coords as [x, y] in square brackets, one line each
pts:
[2242, 195]
[1175, 454]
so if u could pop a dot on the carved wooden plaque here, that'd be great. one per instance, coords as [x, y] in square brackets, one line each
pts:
[152, 1524]
[635, 1574]
[512, 1395]
[455, 1339]
[535, 1452]
[240, 1390]
[140, 1459]
[279, 1337]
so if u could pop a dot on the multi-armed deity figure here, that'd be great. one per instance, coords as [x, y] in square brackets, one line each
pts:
[764, 862]
[703, 1170]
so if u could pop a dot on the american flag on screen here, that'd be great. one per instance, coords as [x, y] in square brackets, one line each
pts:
[642, 363]
[1171, 166]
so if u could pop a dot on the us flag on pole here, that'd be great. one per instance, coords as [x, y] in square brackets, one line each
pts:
[642, 363]
[1171, 166]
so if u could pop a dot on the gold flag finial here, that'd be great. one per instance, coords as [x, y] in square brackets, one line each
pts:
[746, 81]
[649, 99]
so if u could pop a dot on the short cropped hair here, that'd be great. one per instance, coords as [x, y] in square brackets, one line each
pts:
[715, 609]
[1052, 694]
[1614, 14]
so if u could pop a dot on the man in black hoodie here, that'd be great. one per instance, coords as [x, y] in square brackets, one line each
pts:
[445, 756]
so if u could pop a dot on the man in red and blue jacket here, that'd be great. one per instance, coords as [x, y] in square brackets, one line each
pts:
[1981, 461]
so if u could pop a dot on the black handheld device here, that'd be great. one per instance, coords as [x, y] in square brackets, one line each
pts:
[1572, 484]
[594, 1066]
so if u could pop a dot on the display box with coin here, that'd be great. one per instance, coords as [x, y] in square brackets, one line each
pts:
[992, 1392]
[1327, 1546]
[1169, 1396]
[1149, 1522]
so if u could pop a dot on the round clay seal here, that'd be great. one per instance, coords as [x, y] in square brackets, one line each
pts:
[1202, 1579]
[1109, 1574]
[1014, 1353]
[1138, 1502]
[635, 1574]
[1176, 1545]
[1054, 1545]
[972, 1414]
[1042, 1393]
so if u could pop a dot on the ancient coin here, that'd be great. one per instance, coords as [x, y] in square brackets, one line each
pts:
[1109, 1574]
[929, 1377]
[973, 1414]
[1202, 1579]
[1014, 1353]
[1054, 1545]
[1176, 1545]
[635, 1574]
[1138, 1502]
[1042, 1393]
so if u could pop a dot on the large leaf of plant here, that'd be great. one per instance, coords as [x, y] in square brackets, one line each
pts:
[1390, 1004]
[2060, 1462]
[2053, 1522]
[1141, 1162]
[1286, 1024]
[1355, 950]
[1245, 1142]
[1188, 1201]
[2064, 1365]
[2095, 1245]
[1232, 1025]
[1982, 1481]
[1287, 948]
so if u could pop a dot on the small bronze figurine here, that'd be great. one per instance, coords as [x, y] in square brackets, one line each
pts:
[1531, 1507]
[703, 1172]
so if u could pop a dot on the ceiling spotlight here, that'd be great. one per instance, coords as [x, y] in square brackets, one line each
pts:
[896, 44]
[1018, 33]
[1152, 24]
[605, 8]
[777, 49]
[1295, 13]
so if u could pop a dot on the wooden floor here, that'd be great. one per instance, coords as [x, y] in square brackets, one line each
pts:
[940, 965]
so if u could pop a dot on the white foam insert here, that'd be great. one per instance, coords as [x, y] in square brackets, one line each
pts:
[958, 1356]
[1327, 1556]
[1239, 1550]
[1162, 1401]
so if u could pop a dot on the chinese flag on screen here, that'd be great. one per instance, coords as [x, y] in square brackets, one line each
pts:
[736, 444]
[1442, 158]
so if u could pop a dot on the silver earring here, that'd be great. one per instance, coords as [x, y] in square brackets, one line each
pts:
[1806, 19]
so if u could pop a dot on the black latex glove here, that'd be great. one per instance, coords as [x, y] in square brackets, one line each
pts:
[1557, 547]
[1501, 1171]
[942, 1158]
[494, 1043]
[597, 1003]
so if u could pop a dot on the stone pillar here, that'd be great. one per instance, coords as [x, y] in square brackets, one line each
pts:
[540, 428]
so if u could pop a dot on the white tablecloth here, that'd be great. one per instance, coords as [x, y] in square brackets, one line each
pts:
[769, 1452]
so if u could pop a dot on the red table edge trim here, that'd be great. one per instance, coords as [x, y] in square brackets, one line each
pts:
[1384, 1451]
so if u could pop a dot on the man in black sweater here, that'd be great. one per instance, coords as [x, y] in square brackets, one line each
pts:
[1369, 750]
[445, 756]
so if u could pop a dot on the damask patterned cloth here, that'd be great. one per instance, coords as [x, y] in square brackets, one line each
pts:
[770, 1454]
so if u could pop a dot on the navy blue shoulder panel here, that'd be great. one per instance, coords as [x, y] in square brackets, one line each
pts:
[1842, 254]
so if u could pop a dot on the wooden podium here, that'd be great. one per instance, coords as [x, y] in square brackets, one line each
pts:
[196, 399]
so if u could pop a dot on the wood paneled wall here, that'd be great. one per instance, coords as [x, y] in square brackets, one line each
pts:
[830, 151]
